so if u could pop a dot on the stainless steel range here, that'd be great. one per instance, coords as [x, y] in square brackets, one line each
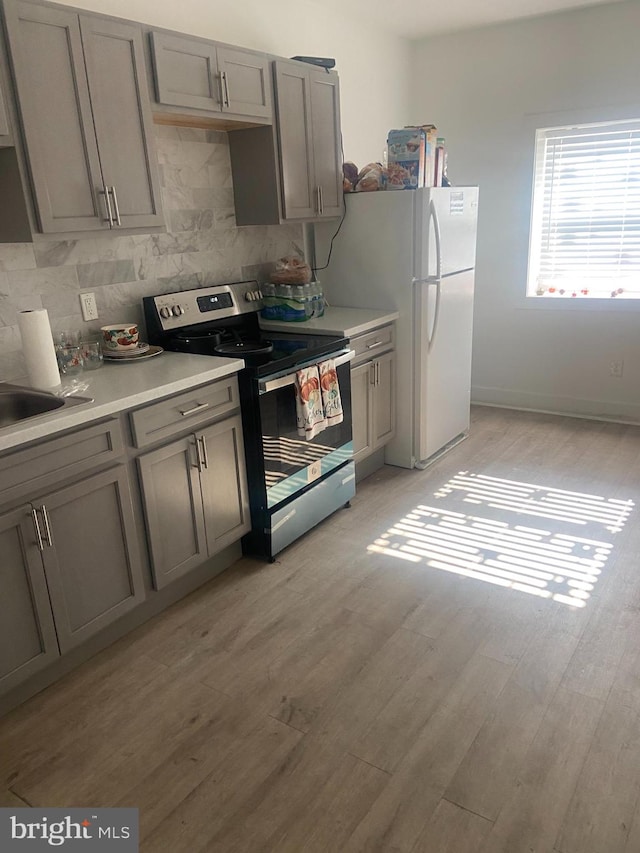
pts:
[294, 482]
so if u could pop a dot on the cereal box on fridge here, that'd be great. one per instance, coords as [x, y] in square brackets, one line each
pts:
[406, 159]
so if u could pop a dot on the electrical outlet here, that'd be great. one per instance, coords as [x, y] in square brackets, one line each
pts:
[615, 368]
[89, 307]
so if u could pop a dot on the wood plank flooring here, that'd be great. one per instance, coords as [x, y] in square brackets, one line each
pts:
[450, 666]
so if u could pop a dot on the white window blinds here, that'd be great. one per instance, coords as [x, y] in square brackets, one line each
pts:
[585, 228]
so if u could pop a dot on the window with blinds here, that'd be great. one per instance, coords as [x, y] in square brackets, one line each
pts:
[585, 223]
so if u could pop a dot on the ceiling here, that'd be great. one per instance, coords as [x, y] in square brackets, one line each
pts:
[419, 18]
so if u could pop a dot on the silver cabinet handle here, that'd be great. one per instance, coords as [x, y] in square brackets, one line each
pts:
[36, 524]
[205, 457]
[377, 372]
[318, 200]
[115, 204]
[47, 527]
[105, 192]
[197, 408]
[374, 345]
[372, 373]
[199, 461]
[225, 88]
[320, 193]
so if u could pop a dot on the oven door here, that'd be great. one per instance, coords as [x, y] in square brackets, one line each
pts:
[291, 461]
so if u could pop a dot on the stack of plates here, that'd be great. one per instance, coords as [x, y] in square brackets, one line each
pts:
[142, 350]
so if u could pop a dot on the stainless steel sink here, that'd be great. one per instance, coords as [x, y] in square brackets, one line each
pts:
[18, 403]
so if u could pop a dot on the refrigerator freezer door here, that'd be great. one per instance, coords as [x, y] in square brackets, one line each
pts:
[445, 239]
[442, 361]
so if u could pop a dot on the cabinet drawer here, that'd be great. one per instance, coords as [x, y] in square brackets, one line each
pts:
[373, 343]
[46, 464]
[184, 412]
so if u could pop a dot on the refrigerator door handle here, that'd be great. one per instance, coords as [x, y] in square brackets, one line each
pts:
[433, 216]
[431, 335]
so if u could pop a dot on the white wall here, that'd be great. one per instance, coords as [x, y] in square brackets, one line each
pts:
[483, 89]
[373, 66]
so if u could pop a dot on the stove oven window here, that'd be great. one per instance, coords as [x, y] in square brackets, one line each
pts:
[292, 462]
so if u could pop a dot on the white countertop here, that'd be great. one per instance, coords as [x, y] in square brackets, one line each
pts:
[116, 387]
[336, 321]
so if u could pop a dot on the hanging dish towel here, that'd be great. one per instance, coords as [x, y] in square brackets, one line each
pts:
[331, 401]
[309, 410]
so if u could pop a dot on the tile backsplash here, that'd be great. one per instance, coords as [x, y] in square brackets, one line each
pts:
[202, 246]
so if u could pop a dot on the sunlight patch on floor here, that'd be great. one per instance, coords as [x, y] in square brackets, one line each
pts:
[553, 562]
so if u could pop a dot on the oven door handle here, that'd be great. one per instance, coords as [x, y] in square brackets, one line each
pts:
[267, 385]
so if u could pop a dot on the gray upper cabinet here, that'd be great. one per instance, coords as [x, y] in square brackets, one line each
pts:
[90, 153]
[308, 111]
[27, 634]
[200, 75]
[246, 85]
[296, 173]
[300, 198]
[326, 138]
[124, 124]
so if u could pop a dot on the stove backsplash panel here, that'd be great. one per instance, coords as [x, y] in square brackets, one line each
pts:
[203, 246]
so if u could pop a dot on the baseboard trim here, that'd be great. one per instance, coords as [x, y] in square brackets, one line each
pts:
[573, 407]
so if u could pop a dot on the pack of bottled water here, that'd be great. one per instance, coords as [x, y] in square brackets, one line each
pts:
[292, 302]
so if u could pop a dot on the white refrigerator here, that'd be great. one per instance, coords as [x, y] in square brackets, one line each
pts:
[413, 251]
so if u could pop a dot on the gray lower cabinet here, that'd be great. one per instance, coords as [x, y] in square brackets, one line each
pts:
[296, 173]
[27, 633]
[90, 555]
[201, 75]
[86, 118]
[195, 498]
[361, 405]
[69, 568]
[6, 137]
[373, 386]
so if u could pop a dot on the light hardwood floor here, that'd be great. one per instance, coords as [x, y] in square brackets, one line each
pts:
[408, 678]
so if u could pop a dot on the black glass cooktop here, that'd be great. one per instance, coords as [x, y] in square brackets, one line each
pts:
[290, 350]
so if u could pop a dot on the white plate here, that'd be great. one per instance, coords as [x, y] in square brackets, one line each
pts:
[135, 356]
[123, 353]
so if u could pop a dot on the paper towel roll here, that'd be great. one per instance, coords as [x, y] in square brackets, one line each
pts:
[39, 351]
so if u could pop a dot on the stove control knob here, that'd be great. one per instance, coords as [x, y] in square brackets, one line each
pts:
[249, 296]
[165, 312]
[178, 310]
[258, 294]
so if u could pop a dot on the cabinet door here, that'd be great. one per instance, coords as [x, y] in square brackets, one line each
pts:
[186, 72]
[90, 559]
[6, 137]
[55, 111]
[299, 198]
[173, 509]
[245, 84]
[27, 635]
[327, 153]
[384, 400]
[362, 378]
[122, 115]
[224, 484]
